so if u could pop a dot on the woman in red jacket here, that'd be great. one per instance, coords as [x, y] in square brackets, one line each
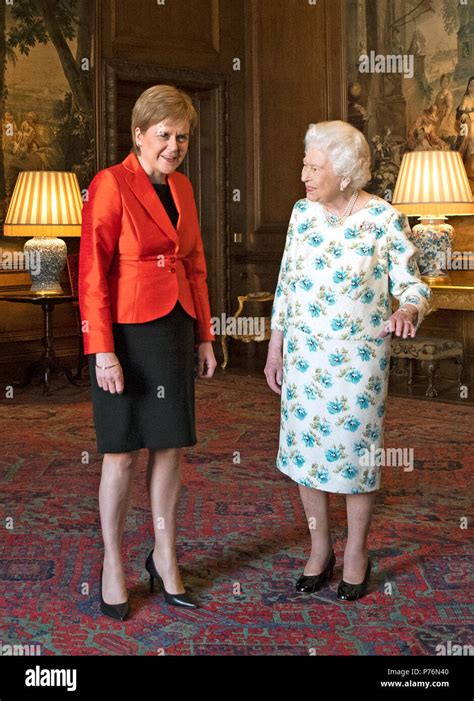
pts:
[143, 295]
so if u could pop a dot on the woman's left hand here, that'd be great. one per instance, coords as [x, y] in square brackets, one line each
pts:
[206, 360]
[402, 322]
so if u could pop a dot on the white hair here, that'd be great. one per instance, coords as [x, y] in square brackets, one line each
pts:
[346, 148]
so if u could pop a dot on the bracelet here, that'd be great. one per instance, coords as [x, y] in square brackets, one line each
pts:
[106, 367]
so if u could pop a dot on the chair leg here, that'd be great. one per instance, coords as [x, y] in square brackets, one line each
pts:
[225, 350]
[80, 349]
[399, 367]
[459, 360]
[80, 359]
[392, 365]
[411, 370]
[432, 367]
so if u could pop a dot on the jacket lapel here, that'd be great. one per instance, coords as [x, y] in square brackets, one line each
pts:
[144, 191]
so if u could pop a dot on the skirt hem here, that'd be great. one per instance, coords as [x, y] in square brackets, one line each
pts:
[148, 447]
[321, 487]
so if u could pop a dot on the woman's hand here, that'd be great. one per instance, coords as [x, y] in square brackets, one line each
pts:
[274, 365]
[206, 360]
[110, 380]
[402, 322]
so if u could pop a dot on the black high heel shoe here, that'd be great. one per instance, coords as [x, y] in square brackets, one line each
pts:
[117, 611]
[313, 583]
[173, 599]
[352, 592]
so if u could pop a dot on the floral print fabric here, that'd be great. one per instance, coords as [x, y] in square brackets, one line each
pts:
[331, 301]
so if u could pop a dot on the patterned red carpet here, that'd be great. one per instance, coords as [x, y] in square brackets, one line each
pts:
[242, 536]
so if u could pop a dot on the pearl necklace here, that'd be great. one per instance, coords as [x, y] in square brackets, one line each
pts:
[333, 219]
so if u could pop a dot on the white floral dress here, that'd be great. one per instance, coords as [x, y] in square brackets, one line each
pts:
[332, 298]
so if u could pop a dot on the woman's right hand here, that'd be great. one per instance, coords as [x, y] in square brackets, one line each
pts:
[110, 380]
[274, 365]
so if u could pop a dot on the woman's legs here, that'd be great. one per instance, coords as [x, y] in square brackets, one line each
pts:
[316, 506]
[359, 516]
[114, 501]
[164, 482]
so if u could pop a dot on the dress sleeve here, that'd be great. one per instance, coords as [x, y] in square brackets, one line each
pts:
[405, 283]
[281, 293]
[101, 225]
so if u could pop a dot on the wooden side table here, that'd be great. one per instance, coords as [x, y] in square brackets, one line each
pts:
[431, 351]
[457, 293]
[48, 362]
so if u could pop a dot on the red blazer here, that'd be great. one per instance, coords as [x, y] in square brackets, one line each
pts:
[133, 264]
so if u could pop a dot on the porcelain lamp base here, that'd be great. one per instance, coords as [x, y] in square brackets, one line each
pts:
[434, 239]
[46, 258]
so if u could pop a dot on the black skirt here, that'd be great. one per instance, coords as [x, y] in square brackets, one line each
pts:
[156, 408]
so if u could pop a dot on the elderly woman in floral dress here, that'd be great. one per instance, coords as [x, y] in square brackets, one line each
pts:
[346, 252]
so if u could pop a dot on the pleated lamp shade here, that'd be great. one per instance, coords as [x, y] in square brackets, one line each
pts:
[433, 183]
[45, 203]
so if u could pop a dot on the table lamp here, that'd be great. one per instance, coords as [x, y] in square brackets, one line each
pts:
[45, 204]
[431, 185]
